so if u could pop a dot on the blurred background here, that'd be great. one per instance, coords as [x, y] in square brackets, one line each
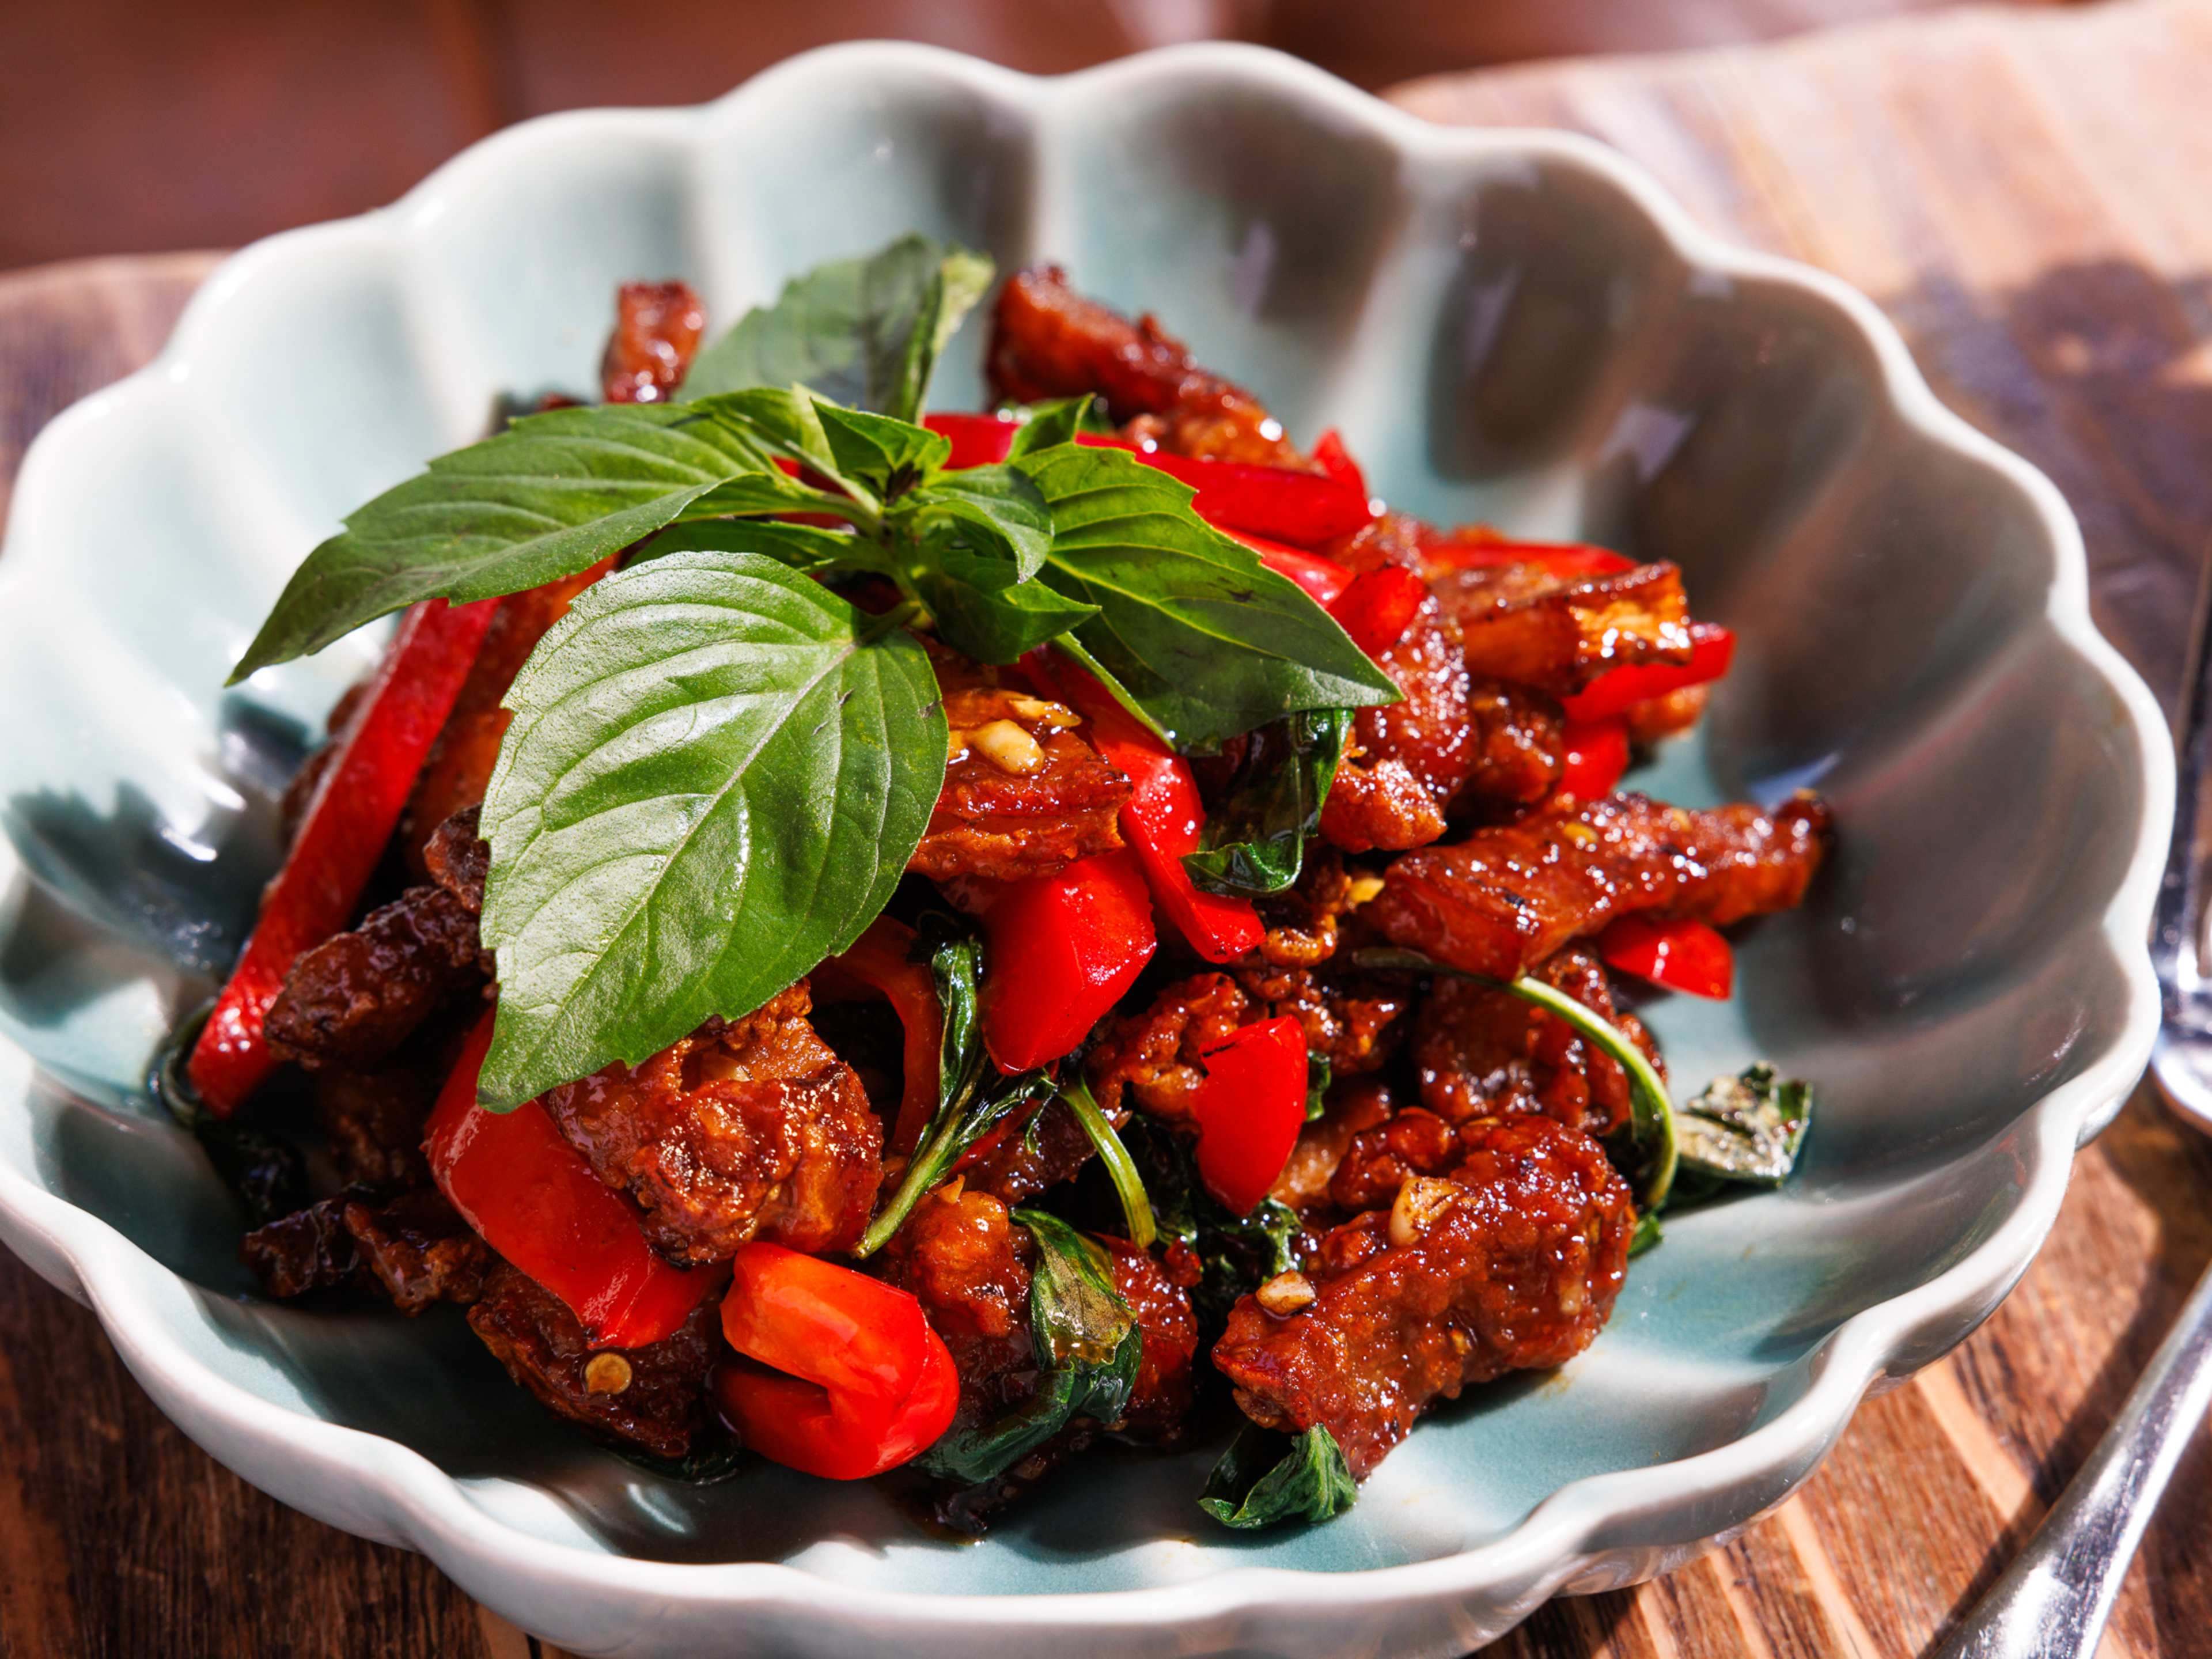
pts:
[144, 126]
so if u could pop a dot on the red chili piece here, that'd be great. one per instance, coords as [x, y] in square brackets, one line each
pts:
[856, 1381]
[1713, 648]
[1596, 754]
[1333, 458]
[1571, 560]
[1249, 1109]
[341, 836]
[977, 440]
[1321, 578]
[1163, 818]
[1305, 508]
[1064, 947]
[533, 1198]
[1682, 956]
[1379, 606]
[878, 961]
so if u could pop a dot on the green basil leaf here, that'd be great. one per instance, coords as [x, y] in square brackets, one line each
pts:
[552, 494]
[1077, 1313]
[1208, 639]
[889, 455]
[1237, 1254]
[1121, 1169]
[716, 773]
[999, 502]
[994, 621]
[865, 332]
[1265, 1478]
[1049, 424]
[1319, 1075]
[1254, 839]
[1744, 1130]
[796, 546]
[1647, 1235]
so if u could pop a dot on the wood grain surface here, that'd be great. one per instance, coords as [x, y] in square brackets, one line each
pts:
[2026, 195]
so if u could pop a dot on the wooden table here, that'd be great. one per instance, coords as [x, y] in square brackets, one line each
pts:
[2027, 197]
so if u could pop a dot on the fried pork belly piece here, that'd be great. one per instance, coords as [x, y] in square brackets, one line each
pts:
[750, 1128]
[354, 999]
[1351, 1020]
[1025, 792]
[412, 1246]
[654, 1398]
[1405, 760]
[1046, 340]
[1483, 1052]
[1520, 747]
[1049, 1149]
[458, 769]
[1521, 624]
[1323, 1143]
[1506, 898]
[657, 329]
[372, 1121]
[456, 859]
[1511, 1261]
[1160, 1399]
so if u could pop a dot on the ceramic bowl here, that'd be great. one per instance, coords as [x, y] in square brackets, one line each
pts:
[1514, 326]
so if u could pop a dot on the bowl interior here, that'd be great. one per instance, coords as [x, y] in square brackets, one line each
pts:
[1509, 339]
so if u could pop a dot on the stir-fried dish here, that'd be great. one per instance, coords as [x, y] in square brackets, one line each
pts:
[875, 939]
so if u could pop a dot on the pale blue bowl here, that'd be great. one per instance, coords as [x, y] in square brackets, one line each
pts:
[1509, 325]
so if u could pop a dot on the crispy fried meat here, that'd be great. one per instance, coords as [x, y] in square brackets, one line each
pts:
[750, 1128]
[1520, 748]
[1159, 1401]
[657, 329]
[372, 1121]
[654, 1398]
[1506, 898]
[356, 997]
[1046, 340]
[1522, 623]
[1025, 793]
[1149, 1059]
[1322, 1145]
[1511, 1261]
[411, 1247]
[1405, 760]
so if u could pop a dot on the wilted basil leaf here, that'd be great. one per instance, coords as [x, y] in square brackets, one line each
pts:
[1744, 1130]
[865, 332]
[1648, 1233]
[1237, 1254]
[715, 775]
[1254, 841]
[1319, 1075]
[1265, 1478]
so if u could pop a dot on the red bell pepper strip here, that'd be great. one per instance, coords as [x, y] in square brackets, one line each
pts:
[1333, 458]
[1682, 956]
[532, 1197]
[1305, 508]
[1617, 690]
[1063, 949]
[1321, 578]
[977, 440]
[857, 1382]
[878, 961]
[1379, 606]
[1164, 817]
[341, 836]
[1571, 560]
[1249, 1108]
[1596, 754]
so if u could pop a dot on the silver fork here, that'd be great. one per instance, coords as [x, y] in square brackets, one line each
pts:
[2053, 1600]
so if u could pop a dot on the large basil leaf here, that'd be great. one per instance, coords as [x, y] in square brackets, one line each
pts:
[1207, 639]
[864, 332]
[1254, 841]
[716, 773]
[548, 496]
[1088, 1347]
[1265, 1477]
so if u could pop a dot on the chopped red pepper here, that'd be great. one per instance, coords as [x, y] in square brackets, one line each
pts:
[1305, 508]
[1063, 949]
[1321, 578]
[1682, 956]
[1617, 690]
[1249, 1108]
[533, 1198]
[1333, 458]
[1595, 754]
[878, 961]
[1164, 817]
[1472, 549]
[1379, 606]
[341, 836]
[857, 1382]
[977, 440]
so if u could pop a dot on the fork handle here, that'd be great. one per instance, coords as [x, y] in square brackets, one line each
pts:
[2054, 1599]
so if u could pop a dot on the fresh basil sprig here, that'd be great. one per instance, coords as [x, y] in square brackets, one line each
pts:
[715, 775]
[1254, 841]
[1088, 1347]
[1266, 1477]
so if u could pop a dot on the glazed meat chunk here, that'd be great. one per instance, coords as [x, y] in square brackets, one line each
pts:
[356, 997]
[652, 1397]
[657, 329]
[1025, 792]
[750, 1128]
[1521, 624]
[1505, 898]
[1405, 760]
[1520, 748]
[412, 1246]
[1510, 1261]
[1046, 340]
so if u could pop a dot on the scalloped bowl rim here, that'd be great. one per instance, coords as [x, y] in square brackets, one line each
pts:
[1562, 1537]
